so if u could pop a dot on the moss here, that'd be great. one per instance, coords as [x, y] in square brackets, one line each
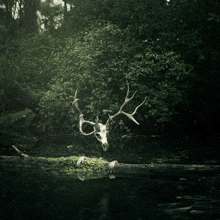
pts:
[91, 168]
[96, 164]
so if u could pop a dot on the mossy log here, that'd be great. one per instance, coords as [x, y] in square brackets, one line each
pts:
[94, 166]
[83, 165]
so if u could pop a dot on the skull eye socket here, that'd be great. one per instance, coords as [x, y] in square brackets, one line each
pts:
[98, 136]
[97, 127]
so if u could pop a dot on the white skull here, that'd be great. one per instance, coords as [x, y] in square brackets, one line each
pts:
[101, 132]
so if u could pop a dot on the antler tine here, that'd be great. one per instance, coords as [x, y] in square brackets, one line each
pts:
[76, 102]
[81, 119]
[130, 116]
[126, 97]
[139, 106]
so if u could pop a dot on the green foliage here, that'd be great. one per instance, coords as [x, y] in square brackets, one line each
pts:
[168, 51]
[37, 65]
[18, 119]
[98, 64]
[15, 128]
[51, 16]
[163, 78]
[27, 65]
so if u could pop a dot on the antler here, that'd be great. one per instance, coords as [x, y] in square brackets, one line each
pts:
[81, 119]
[130, 116]
[101, 130]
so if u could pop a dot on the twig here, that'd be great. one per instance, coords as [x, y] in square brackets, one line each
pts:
[20, 152]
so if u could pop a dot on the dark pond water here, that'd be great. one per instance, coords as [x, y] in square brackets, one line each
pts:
[35, 194]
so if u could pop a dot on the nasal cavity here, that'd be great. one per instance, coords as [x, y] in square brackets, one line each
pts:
[105, 146]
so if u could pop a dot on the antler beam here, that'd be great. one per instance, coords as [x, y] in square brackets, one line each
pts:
[130, 116]
[81, 119]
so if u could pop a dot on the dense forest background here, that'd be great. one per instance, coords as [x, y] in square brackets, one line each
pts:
[167, 50]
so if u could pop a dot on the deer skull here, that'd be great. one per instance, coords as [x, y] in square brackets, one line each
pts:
[99, 130]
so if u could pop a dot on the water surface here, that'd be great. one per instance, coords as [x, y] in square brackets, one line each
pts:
[36, 194]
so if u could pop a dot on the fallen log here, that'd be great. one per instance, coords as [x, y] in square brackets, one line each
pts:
[99, 165]
[178, 170]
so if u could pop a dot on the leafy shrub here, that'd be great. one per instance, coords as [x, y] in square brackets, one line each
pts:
[98, 63]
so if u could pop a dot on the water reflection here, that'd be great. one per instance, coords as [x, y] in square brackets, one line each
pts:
[35, 194]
